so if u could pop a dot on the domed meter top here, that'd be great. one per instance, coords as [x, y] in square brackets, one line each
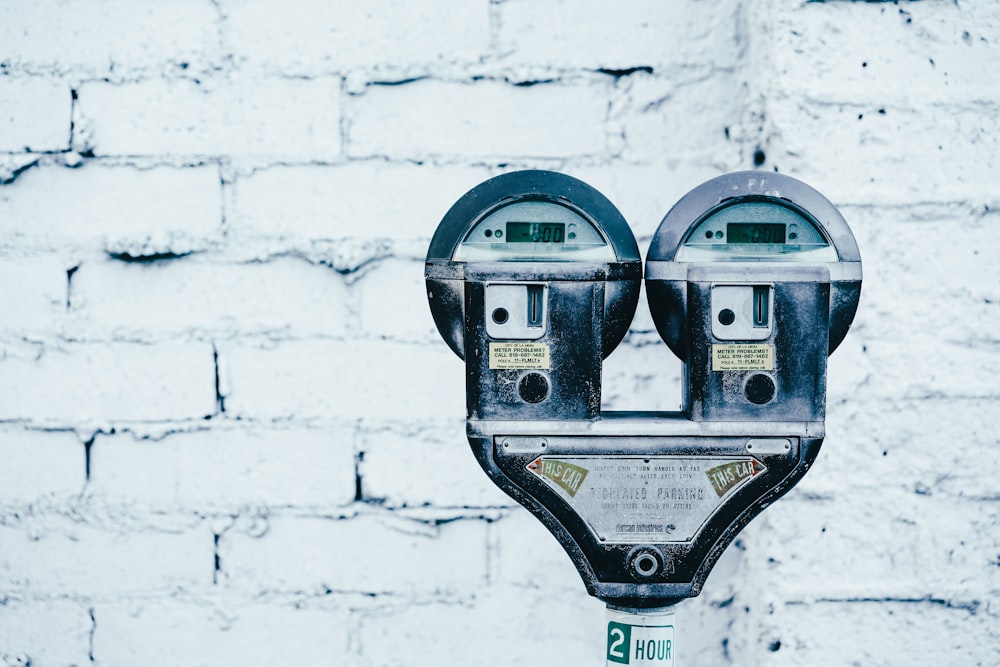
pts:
[745, 275]
[747, 217]
[534, 218]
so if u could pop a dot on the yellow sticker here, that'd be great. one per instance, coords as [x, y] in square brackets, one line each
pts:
[515, 356]
[743, 357]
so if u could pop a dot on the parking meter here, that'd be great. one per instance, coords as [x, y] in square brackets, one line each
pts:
[533, 278]
[752, 280]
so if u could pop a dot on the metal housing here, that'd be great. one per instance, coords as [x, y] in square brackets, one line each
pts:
[445, 276]
[666, 278]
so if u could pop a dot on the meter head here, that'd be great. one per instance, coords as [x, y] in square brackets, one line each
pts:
[751, 218]
[532, 226]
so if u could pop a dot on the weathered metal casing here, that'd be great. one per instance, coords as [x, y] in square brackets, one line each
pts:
[584, 290]
[810, 291]
[681, 545]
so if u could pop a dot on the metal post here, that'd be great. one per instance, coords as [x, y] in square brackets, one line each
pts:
[641, 636]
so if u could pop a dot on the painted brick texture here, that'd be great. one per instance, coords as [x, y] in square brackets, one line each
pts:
[230, 434]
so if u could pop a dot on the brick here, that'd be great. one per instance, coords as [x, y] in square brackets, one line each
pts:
[931, 153]
[44, 632]
[904, 116]
[354, 379]
[945, 323]
[926, 367]
[273, 36]
[40, 465]
[657, 126]
[502, 625]
[709, 625]
[225, 469]
[920, 463]
[526, 554]
[282, 297]
[38, 304]
[394, 303]
[53, 36]
[428, 468]
[883, 633]
[296, 206]
[484, 119]
[827, 547]
[240, 116]
[363, 554]
[219, 632]
[878, 543]
[34, 113]
[59, 555]
[897, 248]
[934, 447]
[635, 33]
[961, 554]
[99, 205]
[907, 55]
[642, 377]
[80, 384]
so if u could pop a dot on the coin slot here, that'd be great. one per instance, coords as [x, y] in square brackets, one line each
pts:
[535, 295]
[761, 305]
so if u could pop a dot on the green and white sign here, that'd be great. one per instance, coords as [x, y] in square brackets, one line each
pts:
[640, 639]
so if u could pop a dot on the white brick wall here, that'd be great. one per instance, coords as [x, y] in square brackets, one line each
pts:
[306, 38]
[34, 112]
[104, 206]
[431, 119]
[239, 116]
[230, 435]
[107, 38]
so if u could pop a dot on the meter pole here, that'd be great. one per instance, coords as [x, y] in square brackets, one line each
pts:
[641, 636]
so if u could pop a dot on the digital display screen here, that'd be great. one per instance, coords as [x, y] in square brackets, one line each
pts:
[536, 232]
[755, 232]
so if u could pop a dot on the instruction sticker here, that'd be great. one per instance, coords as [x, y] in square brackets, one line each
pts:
[630, 499]
[517, 356]
[743, 357]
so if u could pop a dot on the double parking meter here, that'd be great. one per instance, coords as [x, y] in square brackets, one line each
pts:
[752, 280]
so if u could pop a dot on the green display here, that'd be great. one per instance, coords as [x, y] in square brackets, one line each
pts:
[536, 232]
[755, 232]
